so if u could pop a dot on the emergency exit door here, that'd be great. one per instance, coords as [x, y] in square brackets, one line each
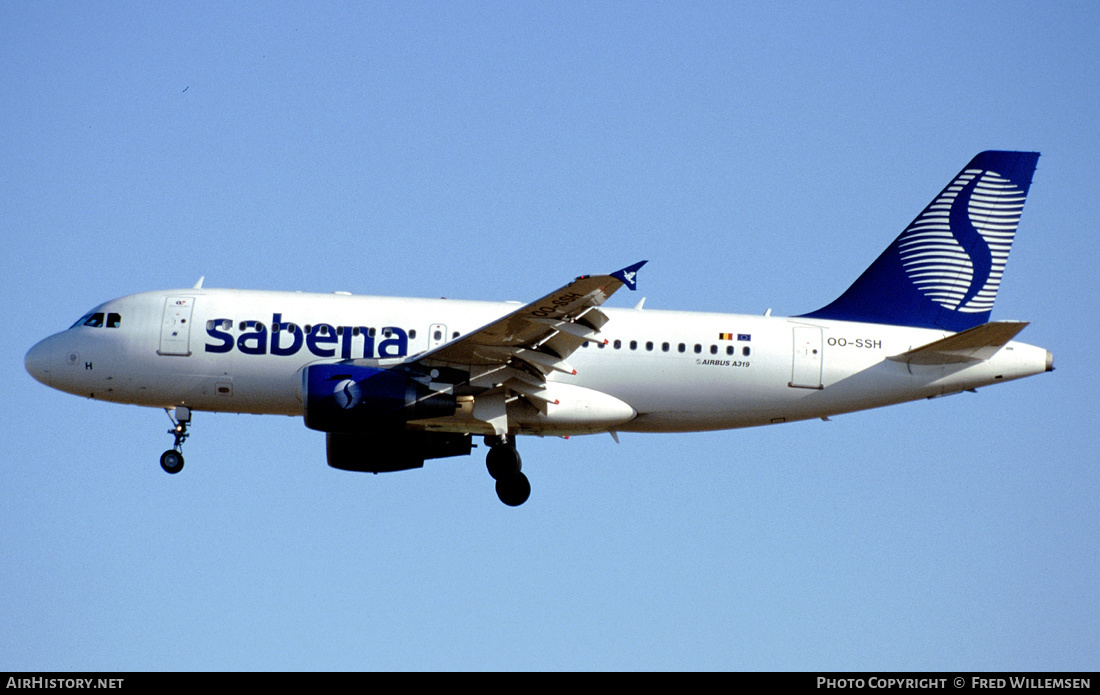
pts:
[437, 335]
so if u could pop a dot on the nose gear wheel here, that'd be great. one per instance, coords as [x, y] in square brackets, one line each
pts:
[172, 460]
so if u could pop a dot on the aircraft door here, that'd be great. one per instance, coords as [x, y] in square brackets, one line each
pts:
[806, 366]
[437, 335]
[175, 328]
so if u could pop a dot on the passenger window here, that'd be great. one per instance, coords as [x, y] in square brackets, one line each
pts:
[681, 347]
[729, 349]
[698, 348]
[94, 321]
[412, 334]
[649, 346]
[664, 347]
[633, 344]
[618, 344]
[114, 320]
[745, 351]
[714, 349]
[437, 335]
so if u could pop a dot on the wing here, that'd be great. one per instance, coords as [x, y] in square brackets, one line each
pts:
[517, 352]
[540, 335]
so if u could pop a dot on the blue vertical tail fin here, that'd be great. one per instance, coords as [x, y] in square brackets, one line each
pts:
[944, 270]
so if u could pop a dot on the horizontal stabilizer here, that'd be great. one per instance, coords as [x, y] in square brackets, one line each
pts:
[975, 345]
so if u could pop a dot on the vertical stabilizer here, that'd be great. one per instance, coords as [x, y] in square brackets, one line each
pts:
[944, 270]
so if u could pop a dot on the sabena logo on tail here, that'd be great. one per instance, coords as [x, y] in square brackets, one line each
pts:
[944, 270]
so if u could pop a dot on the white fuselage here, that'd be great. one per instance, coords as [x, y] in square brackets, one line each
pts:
[660, 371]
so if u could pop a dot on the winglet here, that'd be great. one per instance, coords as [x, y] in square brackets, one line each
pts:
[628, 274]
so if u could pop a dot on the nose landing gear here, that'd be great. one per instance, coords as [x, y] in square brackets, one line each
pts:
[172, 460]
[504, 465]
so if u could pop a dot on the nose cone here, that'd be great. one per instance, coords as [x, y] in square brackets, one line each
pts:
[40, 361]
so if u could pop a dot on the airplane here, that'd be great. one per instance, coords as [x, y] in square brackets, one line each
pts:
[393, 382]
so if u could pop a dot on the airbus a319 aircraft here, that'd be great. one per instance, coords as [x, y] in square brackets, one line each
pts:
[396, 381]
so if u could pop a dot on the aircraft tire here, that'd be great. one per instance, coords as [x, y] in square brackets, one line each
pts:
[515, 490]
[503, 462]
[171, 461]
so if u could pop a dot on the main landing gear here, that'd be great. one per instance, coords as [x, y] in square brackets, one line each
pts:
[504, 465]
[172, 460]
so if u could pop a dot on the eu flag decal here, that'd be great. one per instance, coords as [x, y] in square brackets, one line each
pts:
[744, 337]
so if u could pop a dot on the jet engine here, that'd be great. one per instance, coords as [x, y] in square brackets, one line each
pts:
[352, 399]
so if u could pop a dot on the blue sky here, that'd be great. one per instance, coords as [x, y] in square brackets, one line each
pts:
[760, 155]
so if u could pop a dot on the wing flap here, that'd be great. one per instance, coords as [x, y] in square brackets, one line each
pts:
[573, 328]
[973, 345]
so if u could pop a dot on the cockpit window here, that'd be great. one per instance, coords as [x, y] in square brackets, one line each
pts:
[96, 320]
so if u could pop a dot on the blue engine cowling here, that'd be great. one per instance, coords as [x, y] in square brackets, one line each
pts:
[353, 399]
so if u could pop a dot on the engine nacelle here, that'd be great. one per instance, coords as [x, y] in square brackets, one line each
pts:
[354, 399]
